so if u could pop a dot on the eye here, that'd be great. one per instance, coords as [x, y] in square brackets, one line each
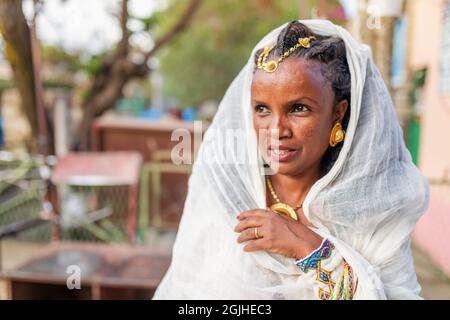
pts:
[299, 108]
[261, 109]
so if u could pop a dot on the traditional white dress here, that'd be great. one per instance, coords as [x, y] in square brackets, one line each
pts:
[366, 206]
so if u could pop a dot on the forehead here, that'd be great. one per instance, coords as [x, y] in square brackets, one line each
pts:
[292, 78]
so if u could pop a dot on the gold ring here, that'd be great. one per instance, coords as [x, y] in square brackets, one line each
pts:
[256, 233]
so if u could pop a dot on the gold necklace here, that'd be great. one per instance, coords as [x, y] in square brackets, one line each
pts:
[279, 206]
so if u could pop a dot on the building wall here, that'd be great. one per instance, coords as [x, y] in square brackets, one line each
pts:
[432, 233]
[434, 156]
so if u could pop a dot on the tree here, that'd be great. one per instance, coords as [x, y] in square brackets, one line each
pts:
[217, 45]
[118, 68]
[110, 72]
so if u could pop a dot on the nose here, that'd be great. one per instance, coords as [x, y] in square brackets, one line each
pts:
[280, 128]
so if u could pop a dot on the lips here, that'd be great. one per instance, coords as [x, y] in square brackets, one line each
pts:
[281, 153]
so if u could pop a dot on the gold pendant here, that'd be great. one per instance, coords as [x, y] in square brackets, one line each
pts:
[284, 209]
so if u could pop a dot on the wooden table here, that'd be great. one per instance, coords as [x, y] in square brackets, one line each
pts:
[107, 272]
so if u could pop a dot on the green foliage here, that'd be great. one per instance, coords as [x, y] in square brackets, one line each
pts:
[149, 22]
[6, 84]
[418, 81]
[73, 61]
[59, 57]
[91, 64]
[200, 64]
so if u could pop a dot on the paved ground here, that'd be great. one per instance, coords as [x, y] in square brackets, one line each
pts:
[435, 284]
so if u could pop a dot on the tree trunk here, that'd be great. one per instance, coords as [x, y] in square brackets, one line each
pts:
[104, 99]
[16, 34]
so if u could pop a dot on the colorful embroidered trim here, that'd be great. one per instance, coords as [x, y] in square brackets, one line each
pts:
[324, 276]
[344, 288]
[346, 285]
[312, 261]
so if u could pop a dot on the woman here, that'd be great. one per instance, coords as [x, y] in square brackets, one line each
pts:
[318, 196]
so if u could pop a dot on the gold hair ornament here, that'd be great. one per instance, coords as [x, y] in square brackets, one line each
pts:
[272, 65]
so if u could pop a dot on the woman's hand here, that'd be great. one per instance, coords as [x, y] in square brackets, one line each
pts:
[276, 233]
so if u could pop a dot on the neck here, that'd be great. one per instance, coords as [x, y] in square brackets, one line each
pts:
[293, 189]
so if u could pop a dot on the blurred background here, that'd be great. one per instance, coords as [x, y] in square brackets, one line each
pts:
[91, 91]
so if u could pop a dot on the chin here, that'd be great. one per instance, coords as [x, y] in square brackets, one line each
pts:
[287, 169]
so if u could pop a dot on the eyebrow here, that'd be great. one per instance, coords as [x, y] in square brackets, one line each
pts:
[293, 101]
[303, 98]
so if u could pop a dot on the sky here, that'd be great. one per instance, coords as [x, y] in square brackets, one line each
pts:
[350, 7]
[87, 25]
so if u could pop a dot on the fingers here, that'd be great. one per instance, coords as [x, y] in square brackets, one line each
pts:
[276, 233]
[249, 234]
[255, 245]
[252, 213]
[250, 222]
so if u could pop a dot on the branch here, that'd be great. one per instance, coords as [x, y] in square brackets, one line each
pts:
[179, 26]
[122, 49]
[37, 8]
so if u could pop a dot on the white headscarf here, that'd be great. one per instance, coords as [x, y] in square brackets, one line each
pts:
[367, 204]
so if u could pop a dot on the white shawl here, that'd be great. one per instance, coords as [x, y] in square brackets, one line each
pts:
[367, 204]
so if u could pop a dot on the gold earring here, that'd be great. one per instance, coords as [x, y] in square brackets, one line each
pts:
[337, 134]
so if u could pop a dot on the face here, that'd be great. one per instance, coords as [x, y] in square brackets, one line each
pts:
[293, 114]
